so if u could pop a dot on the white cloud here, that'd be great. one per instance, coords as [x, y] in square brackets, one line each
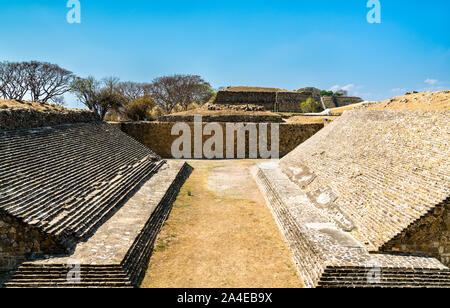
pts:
[431, 82]
[335, 88]
[347, 88]
[398, 90]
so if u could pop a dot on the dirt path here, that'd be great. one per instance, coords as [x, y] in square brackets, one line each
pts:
[221, 234]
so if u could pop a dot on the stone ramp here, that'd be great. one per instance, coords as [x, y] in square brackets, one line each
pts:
[66, 180]
[326, 255]
[376, 173]
[117, 255]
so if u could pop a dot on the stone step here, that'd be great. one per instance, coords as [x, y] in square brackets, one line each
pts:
[70, 192]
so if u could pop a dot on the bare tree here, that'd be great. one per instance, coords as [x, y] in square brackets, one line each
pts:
[47, 81]
[170, 91]
[133, 90]
[99, 97]
[87, 90]
[13, 80]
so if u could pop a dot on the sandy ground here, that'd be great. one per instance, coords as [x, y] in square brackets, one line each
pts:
[221, 234]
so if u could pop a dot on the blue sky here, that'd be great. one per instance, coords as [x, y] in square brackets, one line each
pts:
[286, 44]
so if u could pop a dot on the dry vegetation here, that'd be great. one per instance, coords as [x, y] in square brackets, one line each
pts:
[221, 234]
[424, 101]
[12, 104]
[311, 119]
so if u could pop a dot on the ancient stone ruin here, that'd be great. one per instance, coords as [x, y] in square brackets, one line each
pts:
[81, 203]
[365, 202]
[278, 100]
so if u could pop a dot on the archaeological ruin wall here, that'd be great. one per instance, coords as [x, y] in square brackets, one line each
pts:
[329, 102]
[265, 99]
[70, 183]
[281, 101]
[158, 135]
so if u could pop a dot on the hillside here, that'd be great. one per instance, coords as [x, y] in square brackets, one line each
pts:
[45, 107]
[424, 101]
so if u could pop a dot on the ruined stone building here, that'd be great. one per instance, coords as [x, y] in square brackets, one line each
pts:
[365, 201]
[278, 100]
[78, 194]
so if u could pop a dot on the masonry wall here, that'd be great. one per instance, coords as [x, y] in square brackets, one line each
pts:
[290, 102]
[342, 101]
[157, 135]
[265, 99]
[329, 102]
[430, 235]
[19, 241]
[271, 101]
[12, 119]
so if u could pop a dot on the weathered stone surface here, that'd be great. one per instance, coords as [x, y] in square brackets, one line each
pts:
[326, 255]
[157, 135]
[25, 118]
[118, 253]
[387, 169]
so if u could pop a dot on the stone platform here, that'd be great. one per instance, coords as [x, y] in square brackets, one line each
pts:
[328, 256]
[118, 253]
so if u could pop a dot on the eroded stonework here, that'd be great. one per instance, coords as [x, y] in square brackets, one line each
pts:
[368, 194]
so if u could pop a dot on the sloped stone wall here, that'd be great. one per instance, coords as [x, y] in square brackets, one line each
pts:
[342, 101]
[157, 135]
[430, 235]
[329, 102]
[18, 241]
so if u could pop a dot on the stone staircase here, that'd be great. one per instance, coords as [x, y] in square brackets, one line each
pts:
[68, 179]
[57, 276]
[361, 277]
[122, 266]
[329, 257]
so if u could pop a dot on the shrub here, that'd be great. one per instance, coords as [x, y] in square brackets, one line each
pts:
[326, 93]
[139, 109]
[155, 113]
[310, 106]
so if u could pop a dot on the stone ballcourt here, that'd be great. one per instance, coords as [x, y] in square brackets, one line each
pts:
[362, 203]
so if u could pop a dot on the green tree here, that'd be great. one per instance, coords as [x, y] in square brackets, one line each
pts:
[310, 106]
[326, 93]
